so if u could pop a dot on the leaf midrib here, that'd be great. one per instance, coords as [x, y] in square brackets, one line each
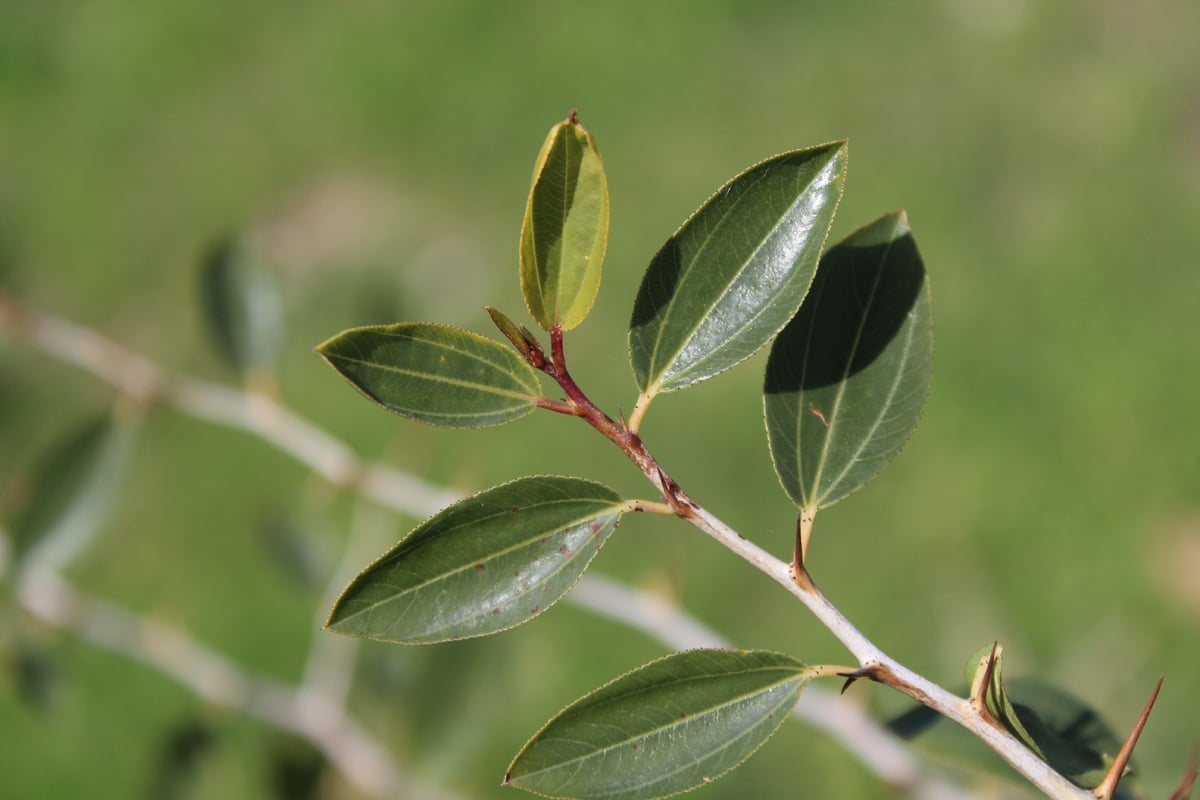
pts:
[400, 592]
[653, 387]
[728, 287]
[842, 385]
[691, 718]
[430, 376]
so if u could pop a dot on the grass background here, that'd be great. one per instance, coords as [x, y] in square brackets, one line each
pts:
[378, 153]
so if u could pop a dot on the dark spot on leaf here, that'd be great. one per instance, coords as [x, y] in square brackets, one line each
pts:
[480, 567]
[564, 551]
[816, 412]
[496, 610]
[514, 509]
[683, 715]
[533, 610]
[635, 747]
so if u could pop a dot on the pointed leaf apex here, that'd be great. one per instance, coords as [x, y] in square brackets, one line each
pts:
[510, 330]
[728, 280]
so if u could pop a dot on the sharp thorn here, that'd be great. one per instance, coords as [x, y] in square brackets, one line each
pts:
[979, 686]
[855, 676]
[1108, 787]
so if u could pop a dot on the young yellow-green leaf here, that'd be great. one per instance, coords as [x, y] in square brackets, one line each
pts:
[994, 695]
[667, 727]
[736, 271]
[847, 378]
[242, 306]
[565, 230]
[484, 564]
[435, 373]
[73, 490]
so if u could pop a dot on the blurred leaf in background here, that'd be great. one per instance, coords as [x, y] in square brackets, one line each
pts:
[242, 307]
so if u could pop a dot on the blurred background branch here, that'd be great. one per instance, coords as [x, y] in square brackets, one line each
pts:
[374, 158]
[316, 710]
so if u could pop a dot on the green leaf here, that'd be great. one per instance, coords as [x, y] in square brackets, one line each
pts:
[73, 490]
[848, 377]
[242, 307]
[667, 727]
[1071, 735]
[435, 373]
[512, 332]
[736, 271]
[484, 564]
[565, 230]
[994, 695]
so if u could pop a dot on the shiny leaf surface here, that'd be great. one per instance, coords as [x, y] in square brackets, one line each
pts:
[435, 373]
[848, 377]
[672, 725]
[484, 564]
[736, 271]
[565, 231]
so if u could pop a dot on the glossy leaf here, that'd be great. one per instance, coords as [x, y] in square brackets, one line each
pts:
[435, 373]
[565, 231]
[242, 307]
[73, 491]
[484, 564]
[735, 272]
[848, 377]
[672, 725]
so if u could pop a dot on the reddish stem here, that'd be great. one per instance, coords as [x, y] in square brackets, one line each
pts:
[617, 432]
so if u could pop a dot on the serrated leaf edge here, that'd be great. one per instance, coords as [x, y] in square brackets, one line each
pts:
[804, 675]
[618, 508]
[657, 387]
[535, 384]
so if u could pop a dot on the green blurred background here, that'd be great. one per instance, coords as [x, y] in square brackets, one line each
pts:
[377, 155]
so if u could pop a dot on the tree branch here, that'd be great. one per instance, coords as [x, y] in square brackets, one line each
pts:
[264, 417]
